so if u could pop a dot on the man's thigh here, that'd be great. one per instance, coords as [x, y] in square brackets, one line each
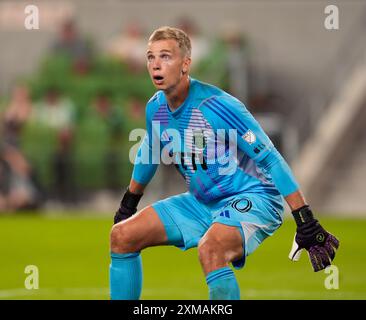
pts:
[144, 229]
[225, 240]
[185, 219]
[254, 216]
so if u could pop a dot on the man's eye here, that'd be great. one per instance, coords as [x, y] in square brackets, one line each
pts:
[165, 56]
[150, 58]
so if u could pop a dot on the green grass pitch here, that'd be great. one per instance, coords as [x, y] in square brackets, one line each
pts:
[72, 256]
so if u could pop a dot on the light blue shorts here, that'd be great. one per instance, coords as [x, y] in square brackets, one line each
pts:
[186, 219]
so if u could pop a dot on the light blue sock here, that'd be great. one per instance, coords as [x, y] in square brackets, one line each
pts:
[125, 276]
[222, 285]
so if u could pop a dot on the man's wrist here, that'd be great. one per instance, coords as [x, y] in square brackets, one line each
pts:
[130, 200]
[303, 215]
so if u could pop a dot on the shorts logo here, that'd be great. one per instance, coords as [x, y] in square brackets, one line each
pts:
[225, 214]
[242, 205]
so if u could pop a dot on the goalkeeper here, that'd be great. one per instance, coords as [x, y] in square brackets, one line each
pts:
[230, 207]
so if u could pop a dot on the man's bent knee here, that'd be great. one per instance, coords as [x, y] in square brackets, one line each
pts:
[142, 230]
[217, 251]
[210, 253]
[122, 239]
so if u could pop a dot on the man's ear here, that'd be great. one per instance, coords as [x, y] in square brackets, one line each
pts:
[186, 65]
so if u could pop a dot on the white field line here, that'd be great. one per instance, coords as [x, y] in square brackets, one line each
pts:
[152, 293]
[13, 293]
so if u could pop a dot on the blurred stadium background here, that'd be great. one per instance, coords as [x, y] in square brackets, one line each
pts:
[71, 92]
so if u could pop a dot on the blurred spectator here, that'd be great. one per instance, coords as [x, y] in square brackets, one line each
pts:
[237, 63]
[135, 110]
[109, 113]
[16, 114]
[54, 111]
[19, 189]
[112, 118]
[70, 43]
[18, 186]
[129, 47]
[58, 114]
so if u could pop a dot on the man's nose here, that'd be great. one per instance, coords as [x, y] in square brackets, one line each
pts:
[156, 64]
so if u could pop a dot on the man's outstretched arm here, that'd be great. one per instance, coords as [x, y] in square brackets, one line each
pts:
[252, 140]
[310, 235]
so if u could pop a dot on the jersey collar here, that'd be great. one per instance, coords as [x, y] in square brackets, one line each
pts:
[179, 111]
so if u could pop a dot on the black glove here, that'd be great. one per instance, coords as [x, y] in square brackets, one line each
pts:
[128, 206]
[310, 235]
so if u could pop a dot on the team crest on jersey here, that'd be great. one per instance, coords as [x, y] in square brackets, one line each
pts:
[199, 139]
[249, 137]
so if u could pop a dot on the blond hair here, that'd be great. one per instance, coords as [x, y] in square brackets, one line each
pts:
[167, 33]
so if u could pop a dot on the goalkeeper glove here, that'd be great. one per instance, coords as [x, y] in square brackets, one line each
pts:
[128, 206]
[310, 235]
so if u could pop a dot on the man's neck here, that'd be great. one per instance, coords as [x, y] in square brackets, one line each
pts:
[176, 96]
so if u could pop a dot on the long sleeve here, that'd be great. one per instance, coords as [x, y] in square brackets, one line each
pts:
[147, 157]
[226, 112]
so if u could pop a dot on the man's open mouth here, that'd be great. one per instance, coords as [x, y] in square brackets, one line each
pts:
[158, 78]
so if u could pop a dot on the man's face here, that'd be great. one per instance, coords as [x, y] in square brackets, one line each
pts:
[166, 64]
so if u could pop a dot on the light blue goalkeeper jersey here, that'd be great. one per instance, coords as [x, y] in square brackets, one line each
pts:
[215, 143]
